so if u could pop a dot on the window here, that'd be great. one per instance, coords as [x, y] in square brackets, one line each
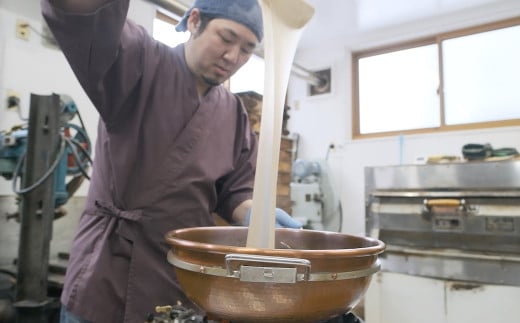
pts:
[461, 80]
[410, 91]
[164, 30]
[249, 77]
[482, 76]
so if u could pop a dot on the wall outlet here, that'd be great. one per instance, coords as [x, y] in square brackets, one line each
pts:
[23, 30]
[13, 100]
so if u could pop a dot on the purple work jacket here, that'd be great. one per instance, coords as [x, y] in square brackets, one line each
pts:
[165, 159]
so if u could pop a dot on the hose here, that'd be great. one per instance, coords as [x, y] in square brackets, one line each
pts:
[48, 173]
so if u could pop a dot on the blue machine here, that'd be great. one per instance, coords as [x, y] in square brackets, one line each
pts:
[12, 147]
[72, 159]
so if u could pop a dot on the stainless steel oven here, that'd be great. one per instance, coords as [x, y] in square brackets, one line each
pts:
[457, 221]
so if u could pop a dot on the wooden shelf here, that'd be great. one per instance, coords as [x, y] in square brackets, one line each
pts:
[253, 103]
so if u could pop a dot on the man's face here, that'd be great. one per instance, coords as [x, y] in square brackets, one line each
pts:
[217, 52]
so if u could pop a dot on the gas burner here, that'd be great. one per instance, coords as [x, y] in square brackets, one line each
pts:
[345, 318]
[180, 314]
[175, 314]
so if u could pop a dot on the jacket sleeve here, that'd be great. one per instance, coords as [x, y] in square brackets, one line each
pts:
[237, 186]
[104, 51]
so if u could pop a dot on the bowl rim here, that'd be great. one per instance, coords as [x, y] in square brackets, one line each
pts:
[173, 240]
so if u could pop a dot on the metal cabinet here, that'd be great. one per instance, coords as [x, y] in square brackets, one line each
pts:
[452, 233]
[401, 298]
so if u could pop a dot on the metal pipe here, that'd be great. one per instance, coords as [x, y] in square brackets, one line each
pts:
[37, 211]
[302, 73]
[178, 8]
[307, 75]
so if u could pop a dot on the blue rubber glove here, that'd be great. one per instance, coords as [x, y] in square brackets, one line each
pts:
[283, 219]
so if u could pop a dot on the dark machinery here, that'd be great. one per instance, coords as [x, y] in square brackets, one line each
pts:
[50, 157]
[314, 199]
[72, 159]
[179, 314]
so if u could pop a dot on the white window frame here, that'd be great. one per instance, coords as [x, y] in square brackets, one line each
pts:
[357, 111]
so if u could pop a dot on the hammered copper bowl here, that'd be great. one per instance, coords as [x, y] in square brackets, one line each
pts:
[310, 276]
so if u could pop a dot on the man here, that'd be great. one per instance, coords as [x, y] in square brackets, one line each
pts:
[173, 146]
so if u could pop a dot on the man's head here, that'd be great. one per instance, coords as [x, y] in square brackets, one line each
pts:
[245, 12]
[224, 34]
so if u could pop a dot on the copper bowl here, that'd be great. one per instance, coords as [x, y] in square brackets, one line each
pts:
[310, 276]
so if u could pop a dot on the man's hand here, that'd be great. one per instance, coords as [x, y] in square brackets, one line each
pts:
[242, 213]
[283, 219]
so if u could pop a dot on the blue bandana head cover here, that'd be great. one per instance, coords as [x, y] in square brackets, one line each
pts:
[245, 12]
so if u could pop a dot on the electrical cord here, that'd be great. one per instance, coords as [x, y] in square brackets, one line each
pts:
[47, 38]
[83, 150]
[72, 143]
[340, 217]
[48, 173]
[81, 122]
[65, 142]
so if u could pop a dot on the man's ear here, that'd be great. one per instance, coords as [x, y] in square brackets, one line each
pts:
[194, 21]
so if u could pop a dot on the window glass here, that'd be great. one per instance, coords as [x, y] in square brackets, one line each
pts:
[482, 76]
[165, 32]
[398, 90]
[249, 77]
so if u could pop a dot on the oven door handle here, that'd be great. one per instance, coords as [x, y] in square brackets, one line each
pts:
[459, 206]
[444, 203]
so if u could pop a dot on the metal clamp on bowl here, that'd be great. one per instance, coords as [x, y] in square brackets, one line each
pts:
[267, 274]
[270, 274]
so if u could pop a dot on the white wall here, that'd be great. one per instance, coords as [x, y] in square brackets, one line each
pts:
[30, 67]
[321, 120]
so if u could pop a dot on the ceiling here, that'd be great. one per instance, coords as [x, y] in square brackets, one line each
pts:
[335, 20]
[346, 19]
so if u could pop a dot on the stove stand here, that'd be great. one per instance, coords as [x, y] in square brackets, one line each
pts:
[180, 314]
[344, 318]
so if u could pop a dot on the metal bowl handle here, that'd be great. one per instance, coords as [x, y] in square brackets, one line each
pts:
[267, 274]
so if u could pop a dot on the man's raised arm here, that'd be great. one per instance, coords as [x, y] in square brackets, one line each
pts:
[79, 6]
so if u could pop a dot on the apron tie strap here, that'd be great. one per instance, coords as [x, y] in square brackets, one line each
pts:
[110, 210]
